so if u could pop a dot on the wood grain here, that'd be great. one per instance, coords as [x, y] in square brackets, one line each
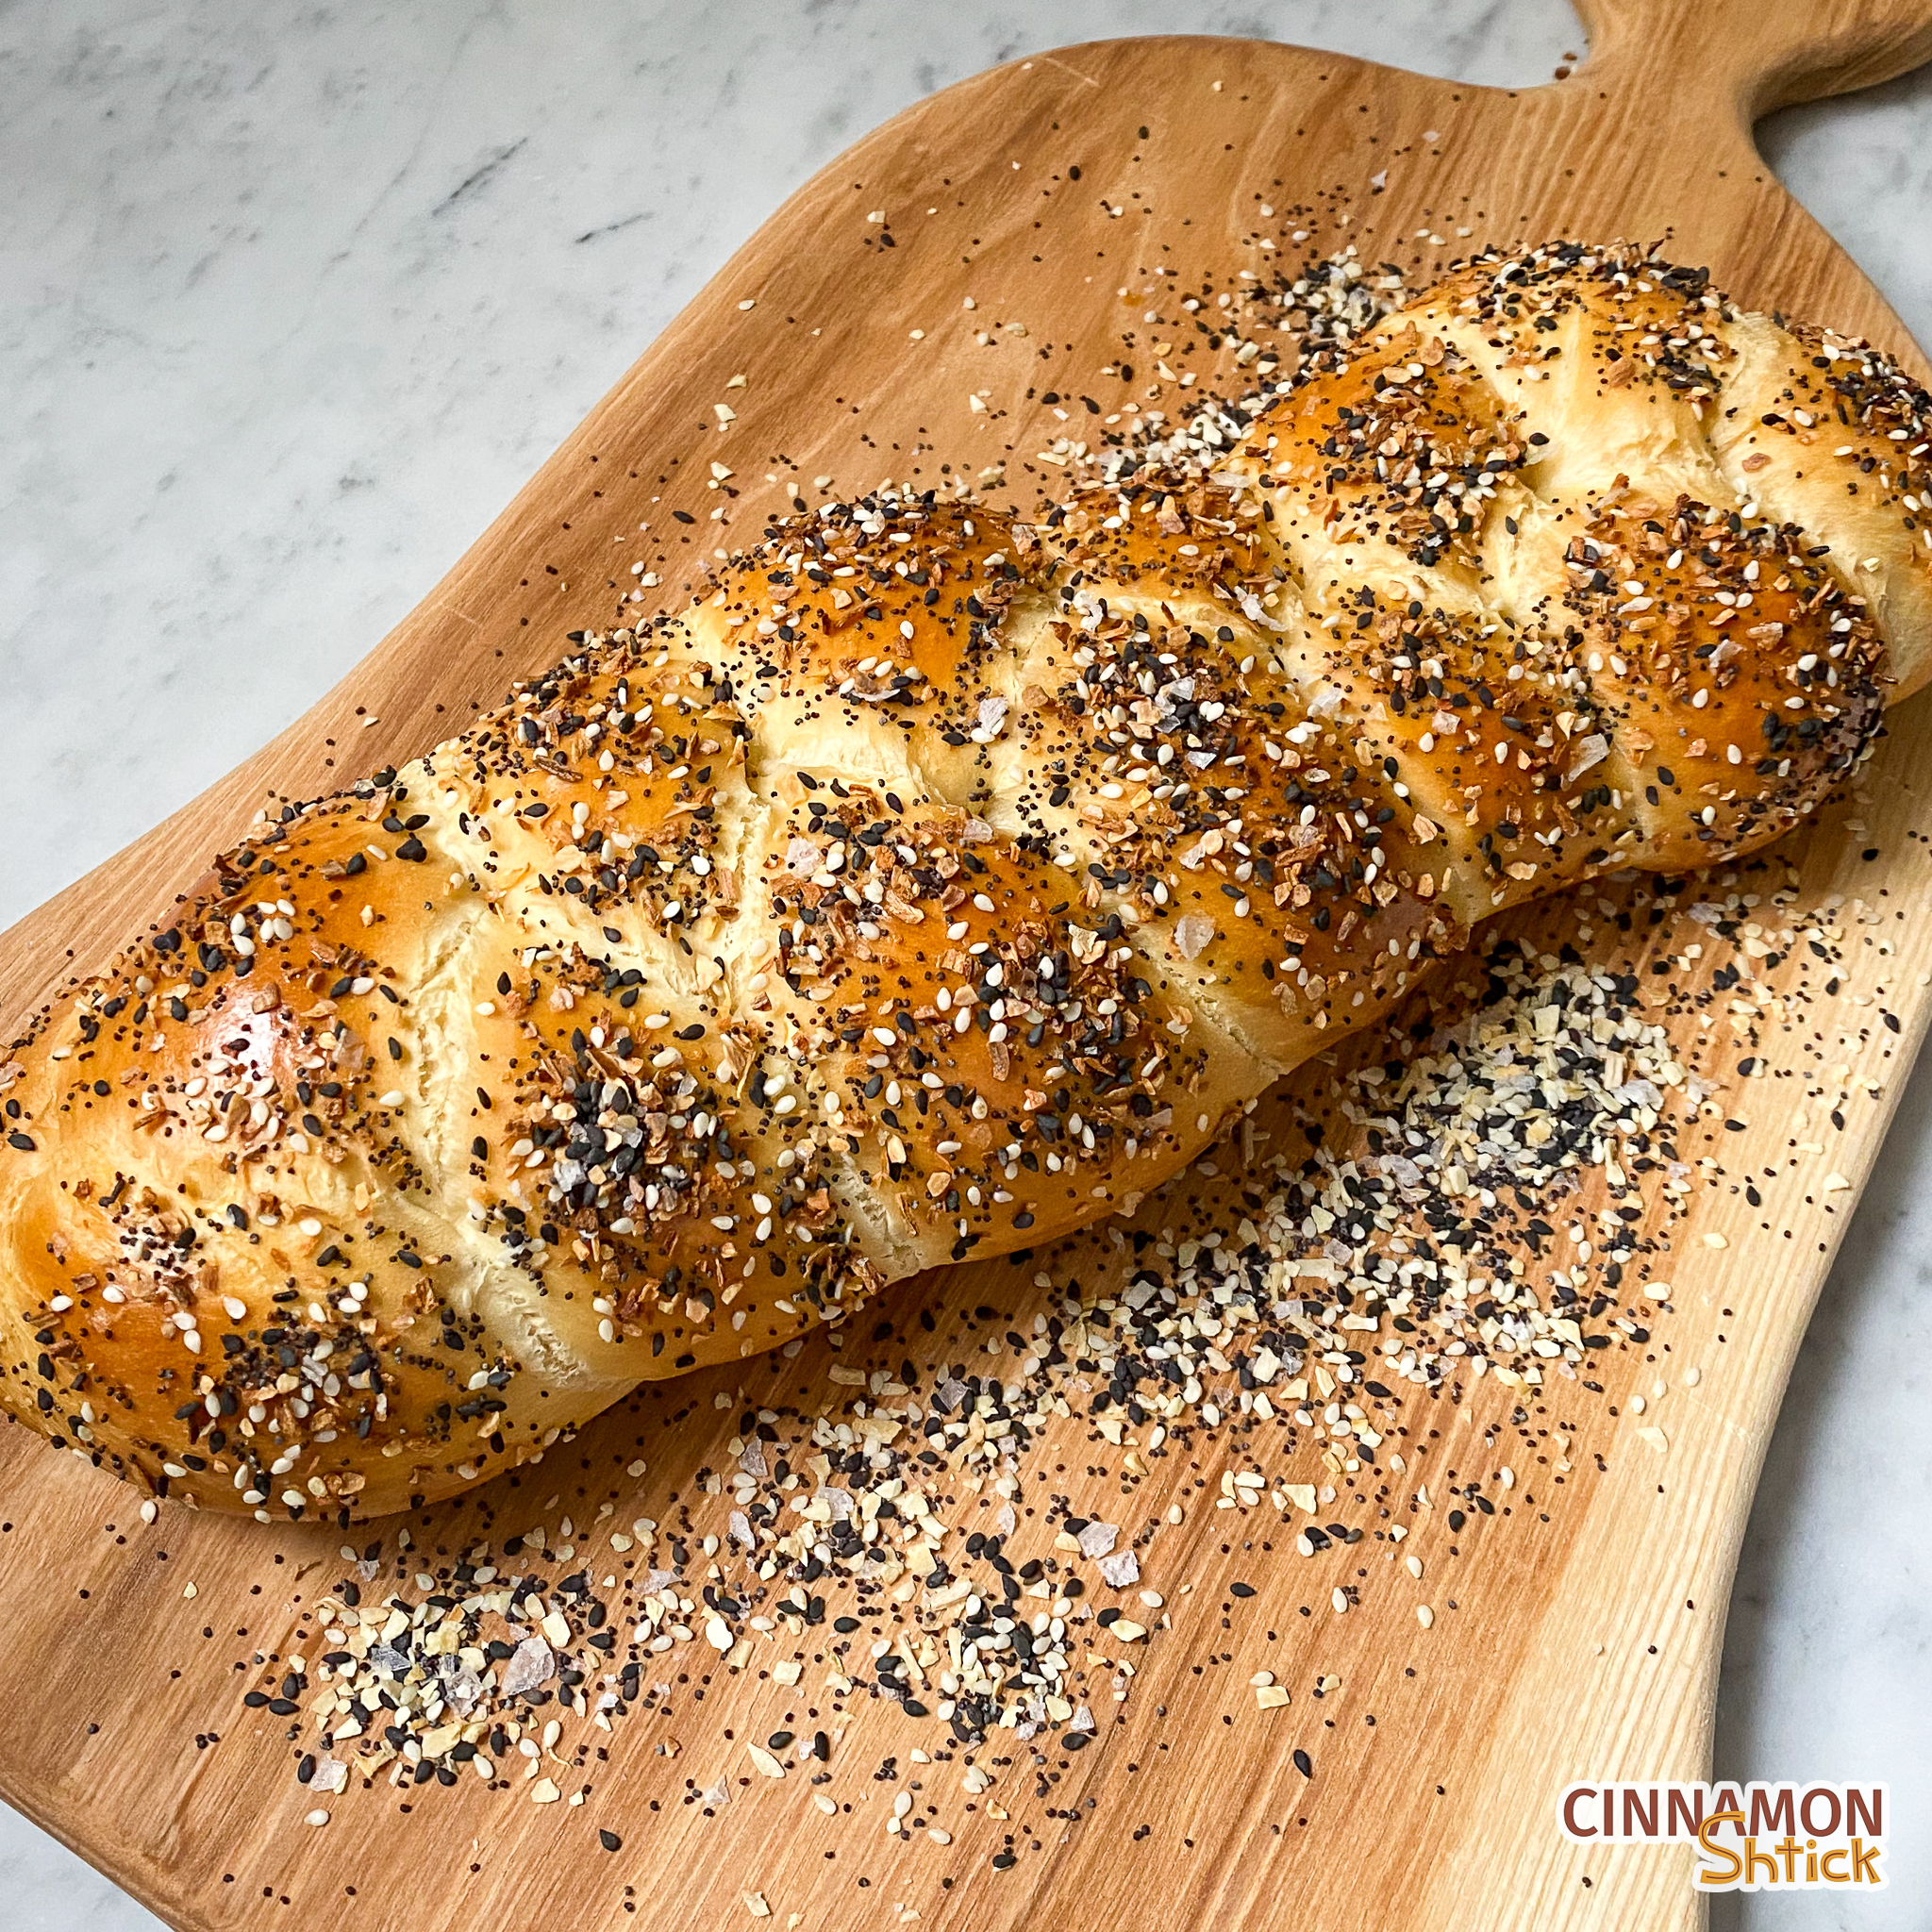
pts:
[1583, 1645]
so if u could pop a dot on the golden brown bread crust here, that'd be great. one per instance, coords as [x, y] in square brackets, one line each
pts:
[936, 883]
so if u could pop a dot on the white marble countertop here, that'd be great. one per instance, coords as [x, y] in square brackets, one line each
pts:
[290, 303]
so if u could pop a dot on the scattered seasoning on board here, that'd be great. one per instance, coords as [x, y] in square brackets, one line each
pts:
[841, 1553]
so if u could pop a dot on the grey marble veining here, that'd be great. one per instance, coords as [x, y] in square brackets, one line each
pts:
[292, 301]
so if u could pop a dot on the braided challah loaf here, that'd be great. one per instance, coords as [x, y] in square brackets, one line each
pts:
[938, 883]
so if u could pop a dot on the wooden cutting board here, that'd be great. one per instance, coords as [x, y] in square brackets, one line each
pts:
[1586, 1627]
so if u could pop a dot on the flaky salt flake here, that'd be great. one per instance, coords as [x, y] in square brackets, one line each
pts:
[1097, 1538]
[1587, 751]
[531, 1663]
[1193, 934]
[1121, 1568]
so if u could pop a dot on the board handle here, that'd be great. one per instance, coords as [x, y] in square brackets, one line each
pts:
[1676, 59]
